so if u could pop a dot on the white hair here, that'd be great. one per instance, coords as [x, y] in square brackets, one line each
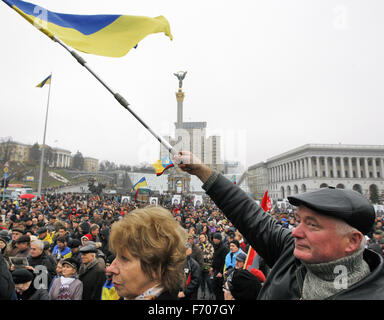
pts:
[344, 229]
[39, 244]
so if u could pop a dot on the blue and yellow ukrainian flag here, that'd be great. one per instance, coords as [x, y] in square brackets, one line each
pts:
[162, 165]
[141, 183]
[47, 80]
[105, 35]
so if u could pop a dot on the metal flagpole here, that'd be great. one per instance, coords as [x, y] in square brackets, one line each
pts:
[117, 96]
[43, 148]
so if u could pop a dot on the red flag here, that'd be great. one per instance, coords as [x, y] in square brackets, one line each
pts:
[250, 257]
[137, 192]
[266, 204]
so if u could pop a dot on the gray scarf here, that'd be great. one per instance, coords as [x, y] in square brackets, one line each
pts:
[326, 279]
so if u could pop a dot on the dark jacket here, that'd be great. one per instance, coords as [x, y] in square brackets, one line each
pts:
[219, 255]
[93, 278]
[192, 277]
[43, 260]
[7, 288]
[276, 245]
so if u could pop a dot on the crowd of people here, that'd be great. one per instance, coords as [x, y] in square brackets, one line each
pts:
[59, 248]
[63, 240]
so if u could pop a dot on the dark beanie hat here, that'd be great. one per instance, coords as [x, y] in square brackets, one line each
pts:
[22, 276]
[236, 243]
[217, 235]
[245, 286]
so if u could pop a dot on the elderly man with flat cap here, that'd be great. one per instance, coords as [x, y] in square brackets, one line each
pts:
[324, 257]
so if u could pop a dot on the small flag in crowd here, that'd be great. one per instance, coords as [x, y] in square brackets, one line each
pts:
[141, 183]
[47, 80]
[266, 204]
[233, 179]
[104, 35]
[162, 165]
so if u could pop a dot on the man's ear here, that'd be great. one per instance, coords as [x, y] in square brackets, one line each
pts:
[354, 241]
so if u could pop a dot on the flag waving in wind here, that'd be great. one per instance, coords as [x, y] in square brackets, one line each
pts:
[105, 35]
[47, 80]
[162, 165]
[266, 204]
[141, 183]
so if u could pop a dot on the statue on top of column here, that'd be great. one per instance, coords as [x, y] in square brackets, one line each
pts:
[180, 75]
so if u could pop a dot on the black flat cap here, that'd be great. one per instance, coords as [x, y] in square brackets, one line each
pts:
[347, 205]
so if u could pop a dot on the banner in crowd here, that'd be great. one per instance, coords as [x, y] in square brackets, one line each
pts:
[198, 200]
[176, 199]
[154, 201]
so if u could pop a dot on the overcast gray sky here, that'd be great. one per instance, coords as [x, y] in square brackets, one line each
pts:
[268, 76]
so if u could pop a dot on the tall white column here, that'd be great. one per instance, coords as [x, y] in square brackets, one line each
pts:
[342, 169]
[326, 166]
[358, 169]
[305, 162]
[289, 171]
[366, 170]
[374, 169]
[318, 166]
[350, 167]
[382, 168]
[301, 169]
[334, 169]
[310, 173]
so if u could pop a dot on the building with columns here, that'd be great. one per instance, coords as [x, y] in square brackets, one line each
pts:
[61, 158]
[313, 166]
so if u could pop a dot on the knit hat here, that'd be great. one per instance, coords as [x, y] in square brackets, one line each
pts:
[244, 285]
[22, 276]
